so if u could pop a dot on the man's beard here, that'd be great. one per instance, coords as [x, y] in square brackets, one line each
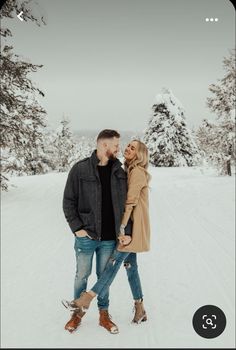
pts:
[110, 155]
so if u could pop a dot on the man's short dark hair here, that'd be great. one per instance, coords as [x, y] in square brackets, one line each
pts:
[108, 134]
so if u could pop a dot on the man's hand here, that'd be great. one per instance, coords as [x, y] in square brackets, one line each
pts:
[124, 239]
[81, 233]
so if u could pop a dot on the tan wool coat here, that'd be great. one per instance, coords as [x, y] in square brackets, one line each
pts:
[136, 207]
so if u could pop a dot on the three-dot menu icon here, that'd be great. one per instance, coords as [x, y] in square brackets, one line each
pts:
[212, 19]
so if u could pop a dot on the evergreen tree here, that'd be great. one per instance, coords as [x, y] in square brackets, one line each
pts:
[50, 151]
[223, 101]
[217, 139]
[84, 148]
[64, 146]
[22, 118]
[167, 137]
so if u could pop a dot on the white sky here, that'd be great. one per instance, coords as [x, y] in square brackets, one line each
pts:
[105, 60]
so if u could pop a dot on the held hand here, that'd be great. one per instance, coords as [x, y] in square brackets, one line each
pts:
[124, 239]
[81, 233]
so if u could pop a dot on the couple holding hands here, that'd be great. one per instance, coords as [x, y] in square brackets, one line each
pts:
[106, 207]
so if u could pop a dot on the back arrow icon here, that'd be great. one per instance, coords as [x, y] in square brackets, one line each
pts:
[19, 16]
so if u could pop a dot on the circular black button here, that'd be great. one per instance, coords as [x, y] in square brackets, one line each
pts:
[209, 321]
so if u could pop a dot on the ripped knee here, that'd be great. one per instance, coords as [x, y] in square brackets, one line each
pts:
[127, 265]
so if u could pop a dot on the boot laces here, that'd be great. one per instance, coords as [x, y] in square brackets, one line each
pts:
[107, 313]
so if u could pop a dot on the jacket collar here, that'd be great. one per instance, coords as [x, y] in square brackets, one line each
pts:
[116, 163]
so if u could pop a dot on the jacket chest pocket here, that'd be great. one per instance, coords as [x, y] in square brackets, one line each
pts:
[87, 181]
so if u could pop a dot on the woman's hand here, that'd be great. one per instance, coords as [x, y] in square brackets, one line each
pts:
[124, 239]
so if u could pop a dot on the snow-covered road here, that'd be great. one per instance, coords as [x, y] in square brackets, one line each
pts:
[191, 264]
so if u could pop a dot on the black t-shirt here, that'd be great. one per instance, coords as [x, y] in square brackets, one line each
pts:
[108, 221]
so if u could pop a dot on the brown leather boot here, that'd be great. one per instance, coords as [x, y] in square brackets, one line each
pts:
[140, 314]
[82, 303]
[75, 321]
[106, 322]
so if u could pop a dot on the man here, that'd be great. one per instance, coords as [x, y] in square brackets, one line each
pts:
[93, 204]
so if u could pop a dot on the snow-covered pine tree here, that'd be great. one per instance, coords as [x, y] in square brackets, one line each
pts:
[206, 137]
[22, 118]
[64, 146]
[212, 139]
[167, 137]
[84, 148]
[221, 148]
[49, 150]
[223, 101]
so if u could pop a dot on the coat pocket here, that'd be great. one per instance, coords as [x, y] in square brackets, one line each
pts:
[87, 194]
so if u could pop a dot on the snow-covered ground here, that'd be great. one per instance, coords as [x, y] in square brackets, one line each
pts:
[191, 264]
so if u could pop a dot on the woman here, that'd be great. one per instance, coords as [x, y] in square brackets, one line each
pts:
[136, 207]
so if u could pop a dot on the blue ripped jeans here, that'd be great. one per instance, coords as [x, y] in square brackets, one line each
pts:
[84, 251]
[112, 267]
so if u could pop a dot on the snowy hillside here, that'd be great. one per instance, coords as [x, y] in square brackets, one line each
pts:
[191, 264]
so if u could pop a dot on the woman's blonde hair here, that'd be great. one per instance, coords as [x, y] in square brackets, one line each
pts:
[141, 159]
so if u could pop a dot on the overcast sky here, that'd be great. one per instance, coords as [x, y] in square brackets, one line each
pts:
[105, 60]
